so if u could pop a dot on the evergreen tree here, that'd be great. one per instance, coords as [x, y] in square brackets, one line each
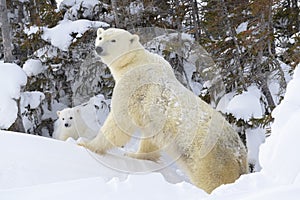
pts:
[243, 38]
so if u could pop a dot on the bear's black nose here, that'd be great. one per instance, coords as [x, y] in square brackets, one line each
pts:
[67, 125]
[99, 50]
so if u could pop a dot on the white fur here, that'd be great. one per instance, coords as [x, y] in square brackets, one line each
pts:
[71, 124]
[148, 98]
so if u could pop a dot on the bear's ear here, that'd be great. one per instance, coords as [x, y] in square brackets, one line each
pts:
[58, 113]
[134, 38]
[99, 31]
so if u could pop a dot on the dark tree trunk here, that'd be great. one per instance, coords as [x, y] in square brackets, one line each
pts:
[6, 32]
[18, 125]
[115, 12]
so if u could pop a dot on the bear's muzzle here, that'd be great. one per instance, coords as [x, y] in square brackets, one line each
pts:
[99, 50]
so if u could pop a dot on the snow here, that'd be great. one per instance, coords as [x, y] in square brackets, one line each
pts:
[280, 174]
[31, 99]
[248, 104]
[70, 3]
[275, 87]
[31, 30]
[47, 53]
[60, 35]
[224, 101]
[12, 78]
[76, 9]
[136, 8]
[58, 2]
[294, 37]
[26, 165]
[242, 27]
[93, 113]
[33, 67]
[46, 165]
[242, 106]
[285, 136]
[35, 167]
[254, 138]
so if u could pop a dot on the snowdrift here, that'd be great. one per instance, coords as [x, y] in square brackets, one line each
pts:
[34, 167]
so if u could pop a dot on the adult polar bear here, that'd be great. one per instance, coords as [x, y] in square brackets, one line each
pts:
[148, 100]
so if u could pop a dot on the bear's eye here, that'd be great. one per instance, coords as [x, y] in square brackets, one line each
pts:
[71, 117]
[63, 118]
[100, 38]
[113, 40]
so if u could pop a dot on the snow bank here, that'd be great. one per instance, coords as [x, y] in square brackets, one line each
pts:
[28, 160]
[134, 188]
[12, 77]
[34, 167]
[60, 35]
[279, 154]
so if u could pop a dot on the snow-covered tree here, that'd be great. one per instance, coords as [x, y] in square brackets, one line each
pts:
[243, 38]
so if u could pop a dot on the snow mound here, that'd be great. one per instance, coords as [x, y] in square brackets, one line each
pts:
[32, 163]
[12, 77]
[278, 154]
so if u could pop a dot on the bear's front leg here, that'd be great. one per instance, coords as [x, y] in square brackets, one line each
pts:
[147, 151]
[109, 136]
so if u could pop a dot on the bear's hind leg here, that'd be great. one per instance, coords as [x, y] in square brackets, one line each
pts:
[216, 168]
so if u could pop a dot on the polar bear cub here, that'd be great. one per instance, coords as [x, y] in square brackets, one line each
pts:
[71, 124]
[83, 121]
[148, 99]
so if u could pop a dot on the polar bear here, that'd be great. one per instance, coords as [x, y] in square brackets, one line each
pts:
[71, 124]
[150, 102]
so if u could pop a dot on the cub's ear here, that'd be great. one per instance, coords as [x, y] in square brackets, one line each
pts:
[99, 31]
[134, 38]
[58, 113]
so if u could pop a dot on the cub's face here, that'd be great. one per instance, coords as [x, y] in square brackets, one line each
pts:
[66, 117]
[112, 43]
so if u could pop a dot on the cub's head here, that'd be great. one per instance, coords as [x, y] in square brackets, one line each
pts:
[113, 43]
[66, 117]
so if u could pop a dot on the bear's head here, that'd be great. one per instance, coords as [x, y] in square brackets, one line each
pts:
[67, 117]
[114, 43]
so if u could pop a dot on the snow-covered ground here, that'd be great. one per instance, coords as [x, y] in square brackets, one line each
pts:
[35, 167]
